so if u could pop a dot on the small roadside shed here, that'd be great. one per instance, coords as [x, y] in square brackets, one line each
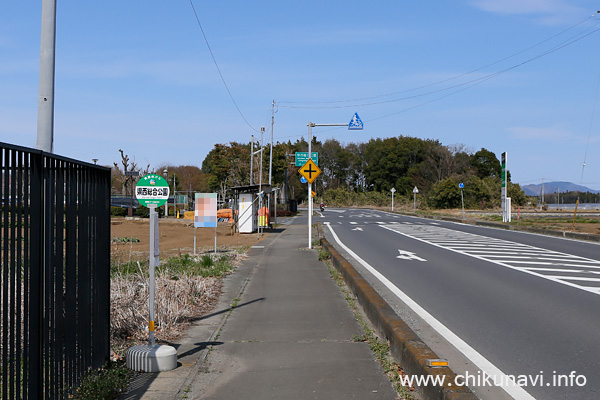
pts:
[246, 201]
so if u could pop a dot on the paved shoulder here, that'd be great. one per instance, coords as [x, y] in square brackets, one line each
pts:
[290, 336]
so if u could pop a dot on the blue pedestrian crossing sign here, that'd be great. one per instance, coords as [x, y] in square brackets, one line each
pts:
[355, 123]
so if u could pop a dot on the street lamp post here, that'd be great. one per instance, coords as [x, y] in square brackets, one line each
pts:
[45, 122]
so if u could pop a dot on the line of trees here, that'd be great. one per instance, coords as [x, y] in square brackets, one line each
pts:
[352, 174]
[370, 168]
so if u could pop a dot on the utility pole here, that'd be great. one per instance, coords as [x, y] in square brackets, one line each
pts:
[251, 158]
[262, 132]
[271, 163]
[166, 171]
[45, 125]
[174, 198]
[271, 152]
[260, 200]
[542, 192]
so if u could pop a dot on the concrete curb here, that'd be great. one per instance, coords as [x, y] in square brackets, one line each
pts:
[408, 349]
[548, 232]
[566, 234]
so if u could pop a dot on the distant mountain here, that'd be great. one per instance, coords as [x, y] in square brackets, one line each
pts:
[554, 187]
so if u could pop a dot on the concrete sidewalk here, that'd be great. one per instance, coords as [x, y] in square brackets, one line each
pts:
[289, 336]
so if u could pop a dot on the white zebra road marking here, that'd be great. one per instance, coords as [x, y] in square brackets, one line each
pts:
[517, 256]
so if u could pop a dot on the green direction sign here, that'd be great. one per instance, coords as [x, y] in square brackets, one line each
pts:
[302, 158]
[152, 190]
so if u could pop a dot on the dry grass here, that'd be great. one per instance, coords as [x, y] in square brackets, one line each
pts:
[180, 298]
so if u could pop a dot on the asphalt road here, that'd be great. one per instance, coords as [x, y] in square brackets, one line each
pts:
[527, 305]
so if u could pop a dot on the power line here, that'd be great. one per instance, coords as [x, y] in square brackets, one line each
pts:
[567, 42]
[475, 82]
[219, 70]
[590, 130]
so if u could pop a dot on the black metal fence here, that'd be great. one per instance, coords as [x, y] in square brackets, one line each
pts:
[54, 272]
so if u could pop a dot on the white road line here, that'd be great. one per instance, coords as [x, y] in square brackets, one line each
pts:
[556, 270]
[524, 251]
[527, 257]
[577, 278]
[486, 366]
[558, 264]
[470, 246]
[533, 252]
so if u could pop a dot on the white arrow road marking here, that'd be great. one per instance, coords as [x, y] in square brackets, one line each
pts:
[407, 255]
[358, 228]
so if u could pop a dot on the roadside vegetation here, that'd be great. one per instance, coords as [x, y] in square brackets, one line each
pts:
[186, 287]
[380, 348]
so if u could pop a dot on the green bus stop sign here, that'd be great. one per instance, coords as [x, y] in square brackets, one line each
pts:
[152, 191]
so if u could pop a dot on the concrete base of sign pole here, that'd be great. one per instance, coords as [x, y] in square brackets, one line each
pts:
[146, 358]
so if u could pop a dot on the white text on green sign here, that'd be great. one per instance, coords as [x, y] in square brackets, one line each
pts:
[152, 190]
[302, 158]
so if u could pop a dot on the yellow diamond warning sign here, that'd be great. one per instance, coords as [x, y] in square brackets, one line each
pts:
[310, 171]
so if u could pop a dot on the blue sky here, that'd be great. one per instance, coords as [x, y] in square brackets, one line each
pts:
[508, 75]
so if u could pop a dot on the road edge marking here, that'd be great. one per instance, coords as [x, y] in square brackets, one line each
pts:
[473, 355]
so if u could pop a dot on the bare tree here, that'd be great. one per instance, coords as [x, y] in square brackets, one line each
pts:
[122, 178]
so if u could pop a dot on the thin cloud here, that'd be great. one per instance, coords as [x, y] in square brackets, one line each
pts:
[548, 12]
[345, 36]
[555, 134]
